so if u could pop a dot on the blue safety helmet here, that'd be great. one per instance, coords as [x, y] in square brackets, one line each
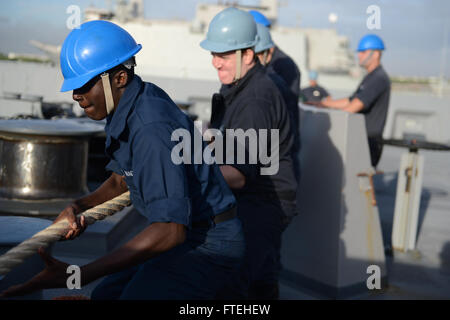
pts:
[94, 48]
[231, 29]
[265, 40]
[313, 75]
[260, 18]
[370, 42]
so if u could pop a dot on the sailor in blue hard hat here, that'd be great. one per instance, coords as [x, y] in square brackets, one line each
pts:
[265, 46]
[260, 18]
[314, 92]
[250, 101]
[192, 240]
[275, 58]
[371, 98]
[264, 49]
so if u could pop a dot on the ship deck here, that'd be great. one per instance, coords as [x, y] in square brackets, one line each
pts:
[423, 273]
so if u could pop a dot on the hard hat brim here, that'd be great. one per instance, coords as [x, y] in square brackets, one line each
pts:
[264, 48]
[374, 48]
[221, 47]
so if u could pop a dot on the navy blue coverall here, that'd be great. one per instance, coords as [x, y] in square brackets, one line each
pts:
[285, 67]
[267, 202]
[139, 144]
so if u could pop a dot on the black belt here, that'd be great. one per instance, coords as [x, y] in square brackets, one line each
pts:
[221, 217]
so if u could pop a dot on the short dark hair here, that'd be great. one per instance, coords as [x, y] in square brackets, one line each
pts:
[120, 67]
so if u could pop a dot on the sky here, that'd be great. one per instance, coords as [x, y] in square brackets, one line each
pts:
[413, 30]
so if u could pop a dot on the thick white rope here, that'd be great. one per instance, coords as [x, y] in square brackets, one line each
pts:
[54, 232]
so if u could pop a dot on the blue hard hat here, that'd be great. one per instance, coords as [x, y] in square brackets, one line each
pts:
[231, 29]
[95, 47]
[265, 40]
[370, 42]
[260, 18]
[313, 75]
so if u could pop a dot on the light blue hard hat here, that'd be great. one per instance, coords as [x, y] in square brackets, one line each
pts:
[313, 75]
[94, 48]
[370, 42]
[265, 40]
[231, 29]
[260, 18]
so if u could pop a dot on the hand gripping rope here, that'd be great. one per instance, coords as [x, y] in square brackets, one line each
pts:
[54, 232]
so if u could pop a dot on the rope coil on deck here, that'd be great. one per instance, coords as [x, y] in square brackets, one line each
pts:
[54, 232]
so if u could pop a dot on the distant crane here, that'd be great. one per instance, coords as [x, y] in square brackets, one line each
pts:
[51, 51]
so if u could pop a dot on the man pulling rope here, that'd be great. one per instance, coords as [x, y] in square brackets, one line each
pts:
[194, 241]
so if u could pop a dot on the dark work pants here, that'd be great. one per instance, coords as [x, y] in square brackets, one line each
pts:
[376, 149]
[194, 270]
[264, 221]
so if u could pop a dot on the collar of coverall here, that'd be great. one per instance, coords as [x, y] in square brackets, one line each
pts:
[117, 121]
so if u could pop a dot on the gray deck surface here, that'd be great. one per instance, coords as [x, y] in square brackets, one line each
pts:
[425, 272]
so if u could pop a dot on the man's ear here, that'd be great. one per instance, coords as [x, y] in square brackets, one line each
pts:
[379, 53]
[120, 79]
[248, 56]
